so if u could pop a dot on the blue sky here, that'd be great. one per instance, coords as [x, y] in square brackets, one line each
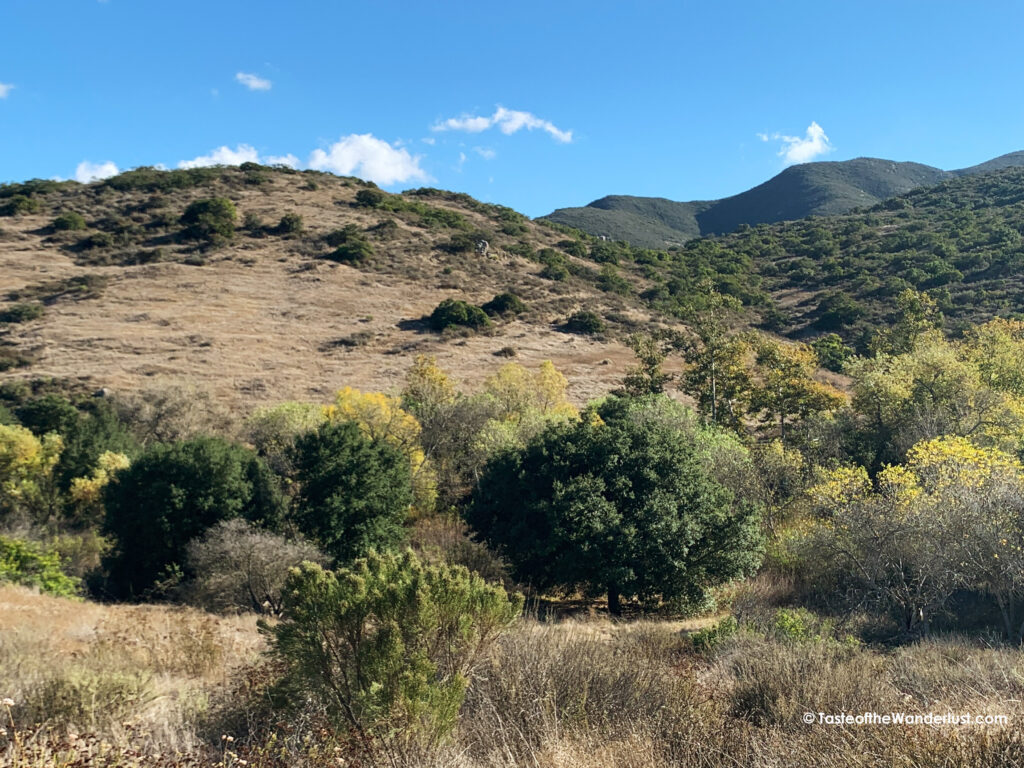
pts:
[533, 105]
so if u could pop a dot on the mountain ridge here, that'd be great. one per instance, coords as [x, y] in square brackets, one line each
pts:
[809, 189]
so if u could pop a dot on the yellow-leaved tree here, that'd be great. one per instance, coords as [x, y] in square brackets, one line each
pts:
[951, 517]
[938, 388]
[86, 493]
[27, 486]
[786, 391]
[381, 417]
[526, 402]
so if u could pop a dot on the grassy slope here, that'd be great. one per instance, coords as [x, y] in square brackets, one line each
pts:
[267, 318]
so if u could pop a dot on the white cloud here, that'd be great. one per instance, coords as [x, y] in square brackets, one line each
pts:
[801, 150]
[253, 82]
[86, 171]
[368, 158]
[243, 153]
[430, 140]
[5, 88]
[508, 121]
[289, 160]
[485, 152]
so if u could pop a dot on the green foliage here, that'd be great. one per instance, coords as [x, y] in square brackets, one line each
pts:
[69, 221]
[87, 432]
[463, 242]
[350, 245]
[585, 323]
[210, 218]
[170, 495]
[18, 205]
[370, 198]
[557, 272]
[832, 353]
[619, 503]
[647, 376]
[504, 304]
[33, 565]
[799, 625]
[837, 310]
[457, 313]
[388, 644]
[290, 224]
[710, 638]
[607, 252]
[21, 313]
[96, 240]
[150, 179]
[354, 492]
[610, 280]
[575, 248]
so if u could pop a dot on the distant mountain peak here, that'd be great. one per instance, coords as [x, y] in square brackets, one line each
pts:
[818, 188]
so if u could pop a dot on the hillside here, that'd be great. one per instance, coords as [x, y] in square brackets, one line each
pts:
[128, 300]
[103, 287]
[961, 241]
[809, 189]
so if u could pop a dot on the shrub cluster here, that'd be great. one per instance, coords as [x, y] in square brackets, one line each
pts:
[586, 323]
[349, 244]
[456, 313]
[210, 219]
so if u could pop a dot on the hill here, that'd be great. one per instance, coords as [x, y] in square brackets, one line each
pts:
[961, 241]
[101, 285]
[809, 189]
[325, 281]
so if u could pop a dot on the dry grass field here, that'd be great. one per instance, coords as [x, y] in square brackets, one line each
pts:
[264, 319]
[96, 685]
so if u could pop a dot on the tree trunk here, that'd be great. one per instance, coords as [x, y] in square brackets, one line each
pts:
[614, 606]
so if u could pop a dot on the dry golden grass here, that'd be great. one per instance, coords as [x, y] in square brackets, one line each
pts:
[260, 321]
[114, 685]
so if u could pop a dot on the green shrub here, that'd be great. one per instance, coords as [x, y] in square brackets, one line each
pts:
[610, 280]
[387, 646]
[573, 248]
[370, 198]
[34, 565]
[354, 492]
[253, 224]
[210, 218]
[20, 204]
[350, 246]
[585, 322]
[558, 272]
[385, 230]
[290, 224]
[457, 313]
[69, 221]
[709, 638]
[504, 304]
[831, 352]
[96, 240]
[21, 313]
[463, 242]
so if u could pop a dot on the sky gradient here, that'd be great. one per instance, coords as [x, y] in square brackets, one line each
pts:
[532, 105]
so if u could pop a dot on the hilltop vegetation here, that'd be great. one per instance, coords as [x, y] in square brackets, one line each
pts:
[808, 189]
